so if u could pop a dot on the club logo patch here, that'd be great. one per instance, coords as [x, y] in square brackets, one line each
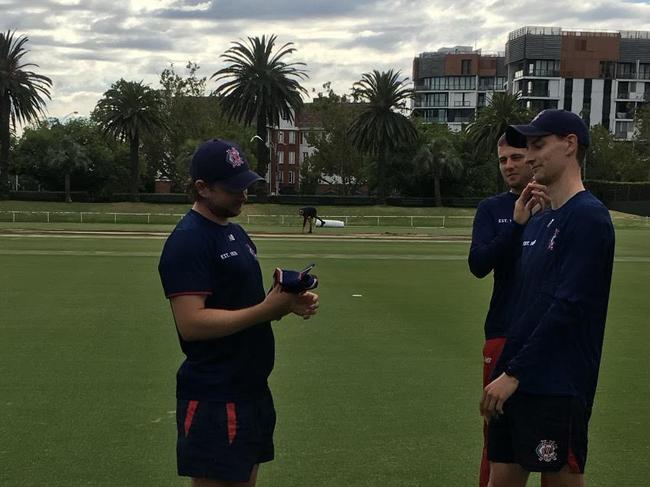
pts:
[234, 158]
[546, 451]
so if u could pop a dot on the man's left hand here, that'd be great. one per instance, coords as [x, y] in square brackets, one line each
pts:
[496, 393]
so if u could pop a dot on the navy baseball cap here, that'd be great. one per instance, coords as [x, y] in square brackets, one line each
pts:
[552, 122]
[220, 161]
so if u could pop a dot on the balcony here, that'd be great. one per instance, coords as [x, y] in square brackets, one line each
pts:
[537, 93]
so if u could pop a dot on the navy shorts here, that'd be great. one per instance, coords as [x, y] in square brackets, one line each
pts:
[224, 440]
[540, 433]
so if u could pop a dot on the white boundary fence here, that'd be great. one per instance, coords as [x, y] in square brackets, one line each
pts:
[413, 221]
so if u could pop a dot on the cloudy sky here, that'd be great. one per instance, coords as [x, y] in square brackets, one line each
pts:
[85, 45]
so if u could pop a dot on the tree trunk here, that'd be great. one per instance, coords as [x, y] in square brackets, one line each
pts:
[68, 198]
[436, 190]
[262, 153]
[381, 177]
[135, 166]
[4, 147]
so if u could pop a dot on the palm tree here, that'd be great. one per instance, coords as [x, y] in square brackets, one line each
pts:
[437, 156]
[504, 109]
[127, 111]
[491, 122]
[259, 87]
[380, 129]
[22, 96]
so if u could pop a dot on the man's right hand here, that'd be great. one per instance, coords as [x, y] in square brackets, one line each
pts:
[533, 199]
[282, 303]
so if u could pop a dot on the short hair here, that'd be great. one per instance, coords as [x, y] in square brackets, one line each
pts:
[502, 140]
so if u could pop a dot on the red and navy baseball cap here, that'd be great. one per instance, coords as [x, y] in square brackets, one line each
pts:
[552, 122]
[223, 162]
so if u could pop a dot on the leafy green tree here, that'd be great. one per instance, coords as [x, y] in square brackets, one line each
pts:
[336, 159]
[259, 86]
[613, 160]
[380, 129]
[642, 134]
[193, 116]
[22, 96]
[504, 109]
[126, 111]
[51, 149]
[437, 156]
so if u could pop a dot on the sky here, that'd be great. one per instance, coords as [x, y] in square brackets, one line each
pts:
[86, 45]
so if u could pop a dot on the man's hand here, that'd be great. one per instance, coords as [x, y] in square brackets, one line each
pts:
[496, 393]
[533, 198]
[282, 303]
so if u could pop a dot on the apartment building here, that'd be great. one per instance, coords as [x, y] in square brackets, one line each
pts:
[604, 76]
[452, 83]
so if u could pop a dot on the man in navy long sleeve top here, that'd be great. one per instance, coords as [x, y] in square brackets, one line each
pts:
[493, 249]
[541, 399]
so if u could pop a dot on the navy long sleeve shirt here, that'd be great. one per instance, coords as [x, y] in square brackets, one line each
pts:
[494, 247]
[555, 340]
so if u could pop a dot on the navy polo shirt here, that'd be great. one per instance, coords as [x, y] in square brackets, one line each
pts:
[494, 248]
[218, 261]
[555, 341]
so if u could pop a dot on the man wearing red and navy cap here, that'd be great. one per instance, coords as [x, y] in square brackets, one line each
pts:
[541, 396]
[210, 273]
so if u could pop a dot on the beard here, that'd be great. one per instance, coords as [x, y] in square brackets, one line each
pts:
[221, 211]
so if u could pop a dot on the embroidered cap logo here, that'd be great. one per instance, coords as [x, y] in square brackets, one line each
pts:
[234, 158]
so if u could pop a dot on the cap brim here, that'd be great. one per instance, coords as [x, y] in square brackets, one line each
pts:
[241, 181]
[529, 130]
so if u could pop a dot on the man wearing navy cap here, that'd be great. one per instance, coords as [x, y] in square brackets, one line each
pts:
[210, 273]
[541, 396]
[494, 250]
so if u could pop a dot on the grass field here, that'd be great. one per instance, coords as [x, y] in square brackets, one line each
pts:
[376, 390]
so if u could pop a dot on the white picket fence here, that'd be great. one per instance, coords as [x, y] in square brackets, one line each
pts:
[413, 221]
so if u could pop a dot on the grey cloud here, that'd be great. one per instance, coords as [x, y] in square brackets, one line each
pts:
[263, 9]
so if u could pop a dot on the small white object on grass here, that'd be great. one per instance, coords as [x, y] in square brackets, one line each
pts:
[357, 295]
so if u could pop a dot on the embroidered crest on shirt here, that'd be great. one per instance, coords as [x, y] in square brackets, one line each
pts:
[234, 158]
[546, 451]
[551, 243]
[231, 237]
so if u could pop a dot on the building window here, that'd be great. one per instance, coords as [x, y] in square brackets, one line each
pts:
[586, 102]
[607, 102]
[481, 100]
[435, 100]
[466, 66]
[291, 177]
[626, 70]
[644, 71]
[281, 157]
[607, 69]
[437, 116]
[280, 136]
[451, 83]
[292, 137]
[544, 68]
[568, 93]
[292, 157]
[303, 138]
[305, 155]
[622, 129]
[280, 176]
